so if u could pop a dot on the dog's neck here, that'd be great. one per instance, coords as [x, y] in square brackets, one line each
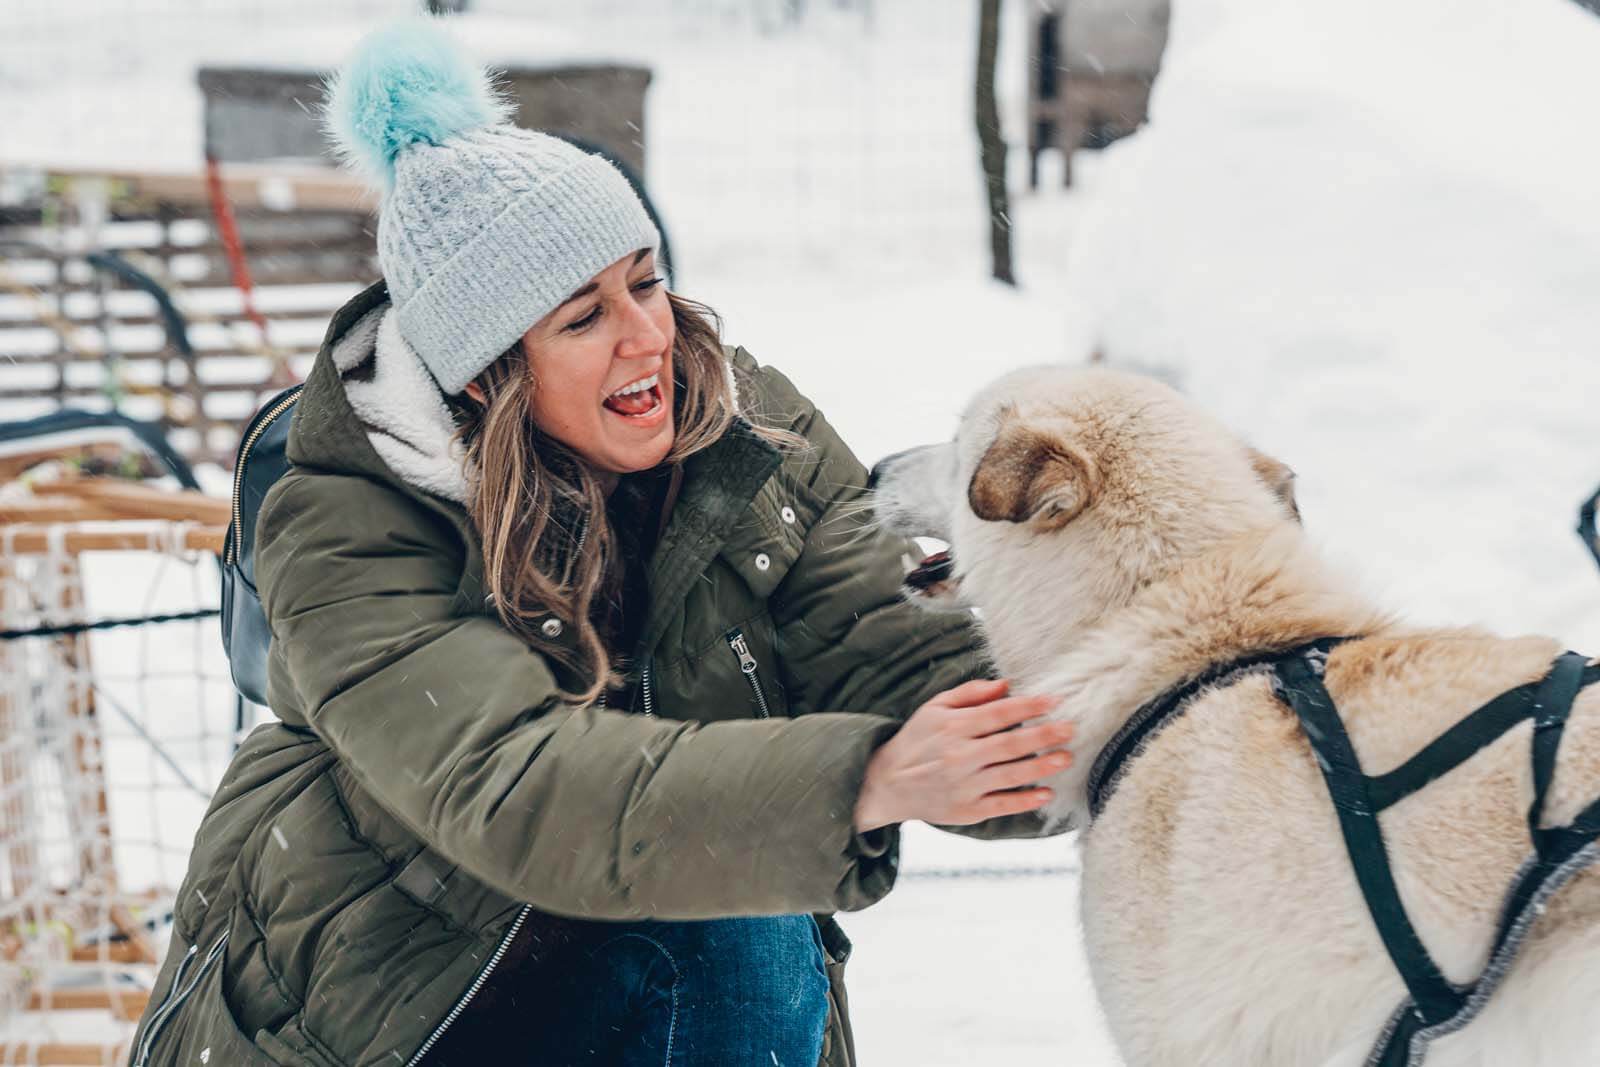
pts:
[1258, 591]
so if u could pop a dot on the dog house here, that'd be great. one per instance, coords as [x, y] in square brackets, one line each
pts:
[1092, 64]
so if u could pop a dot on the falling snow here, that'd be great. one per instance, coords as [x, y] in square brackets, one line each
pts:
[1365, 233]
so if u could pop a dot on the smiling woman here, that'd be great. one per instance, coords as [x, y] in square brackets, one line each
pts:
[606, 351]
[596, 698]
[591, 392]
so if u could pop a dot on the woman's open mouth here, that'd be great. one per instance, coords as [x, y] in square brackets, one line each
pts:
[637, 400]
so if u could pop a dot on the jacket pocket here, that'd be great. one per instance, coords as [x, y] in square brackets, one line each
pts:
[194, 1024]
[761, 558]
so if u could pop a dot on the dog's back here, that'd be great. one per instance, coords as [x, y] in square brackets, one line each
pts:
[1224, 919]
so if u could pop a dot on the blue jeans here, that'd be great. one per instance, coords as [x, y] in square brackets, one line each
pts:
[721, 993]
[728, 992]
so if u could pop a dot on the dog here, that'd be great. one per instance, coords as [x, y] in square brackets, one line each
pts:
[1116, 541]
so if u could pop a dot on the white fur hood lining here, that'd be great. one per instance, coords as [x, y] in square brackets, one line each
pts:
[402, 407]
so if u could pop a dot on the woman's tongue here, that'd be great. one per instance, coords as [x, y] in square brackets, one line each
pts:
[632, 403]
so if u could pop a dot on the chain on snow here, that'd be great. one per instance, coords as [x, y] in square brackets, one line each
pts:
[956, 873]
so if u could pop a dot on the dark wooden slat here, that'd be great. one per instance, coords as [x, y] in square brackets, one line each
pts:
[91, 318]
[136, 390]
[263, 272]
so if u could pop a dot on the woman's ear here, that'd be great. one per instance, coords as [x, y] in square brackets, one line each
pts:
[475, 391]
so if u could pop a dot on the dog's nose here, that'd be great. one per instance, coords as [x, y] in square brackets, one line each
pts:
[878, 469]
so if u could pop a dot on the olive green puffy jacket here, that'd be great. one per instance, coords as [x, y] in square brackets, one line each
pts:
[364, 861]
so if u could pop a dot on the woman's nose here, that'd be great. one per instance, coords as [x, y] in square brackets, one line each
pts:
[640, 334]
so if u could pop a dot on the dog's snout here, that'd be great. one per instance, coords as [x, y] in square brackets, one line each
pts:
[878, 468]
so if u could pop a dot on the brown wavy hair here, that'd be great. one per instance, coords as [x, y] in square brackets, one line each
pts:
[541, 511]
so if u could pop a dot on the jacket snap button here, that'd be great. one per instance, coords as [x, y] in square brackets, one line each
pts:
[551, 628]
[788, 515]
[762, 562]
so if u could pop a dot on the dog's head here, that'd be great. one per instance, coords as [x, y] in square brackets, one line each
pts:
[1066, 490]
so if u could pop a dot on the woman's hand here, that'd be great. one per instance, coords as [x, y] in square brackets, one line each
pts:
[958, 760]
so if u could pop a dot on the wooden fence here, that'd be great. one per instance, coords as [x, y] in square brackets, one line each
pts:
[83, 258]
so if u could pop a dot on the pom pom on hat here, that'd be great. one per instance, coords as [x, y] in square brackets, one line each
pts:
[408, 83]
[484, 233]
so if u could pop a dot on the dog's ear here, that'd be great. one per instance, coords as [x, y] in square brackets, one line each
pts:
[1279, 478]
[1029, 475]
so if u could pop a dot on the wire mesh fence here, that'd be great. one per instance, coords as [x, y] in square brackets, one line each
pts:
[111, 741]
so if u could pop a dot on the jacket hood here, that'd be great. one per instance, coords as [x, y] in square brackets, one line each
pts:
[370, 408]
[401, 406]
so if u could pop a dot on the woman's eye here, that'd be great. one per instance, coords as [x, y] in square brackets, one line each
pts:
[588, 320]
[579, 325]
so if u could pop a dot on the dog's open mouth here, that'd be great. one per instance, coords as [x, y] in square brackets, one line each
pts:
[931, 571]
[933, 576]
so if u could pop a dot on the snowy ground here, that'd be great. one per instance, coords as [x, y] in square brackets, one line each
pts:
[1364, 233]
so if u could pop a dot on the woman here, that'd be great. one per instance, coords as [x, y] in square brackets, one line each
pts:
[592, 689]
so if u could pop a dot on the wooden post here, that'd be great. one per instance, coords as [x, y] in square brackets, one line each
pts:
[992, 146]
[16, 818]
[88, 811]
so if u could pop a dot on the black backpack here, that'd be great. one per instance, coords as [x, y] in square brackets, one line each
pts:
[260, 462]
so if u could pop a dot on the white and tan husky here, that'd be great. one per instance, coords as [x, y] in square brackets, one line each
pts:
[1118, 541]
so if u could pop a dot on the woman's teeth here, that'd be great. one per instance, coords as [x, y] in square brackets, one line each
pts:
[638, 398]
[639, 386]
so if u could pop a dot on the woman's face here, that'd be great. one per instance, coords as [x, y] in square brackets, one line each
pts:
[602, 366]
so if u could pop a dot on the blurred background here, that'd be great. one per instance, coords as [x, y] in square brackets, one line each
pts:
[1364, 234]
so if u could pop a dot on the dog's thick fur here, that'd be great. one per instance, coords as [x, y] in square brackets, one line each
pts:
[1118, 541]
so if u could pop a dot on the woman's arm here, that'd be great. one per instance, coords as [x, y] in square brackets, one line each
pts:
[453, 724]
[847, 636]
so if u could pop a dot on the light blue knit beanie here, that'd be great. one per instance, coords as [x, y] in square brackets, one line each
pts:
[485, 228]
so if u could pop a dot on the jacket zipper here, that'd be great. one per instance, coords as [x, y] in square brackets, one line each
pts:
[238, 470]
[472, 990]
[747, 665]
[175, 999]
[644, 689]
[172, 990]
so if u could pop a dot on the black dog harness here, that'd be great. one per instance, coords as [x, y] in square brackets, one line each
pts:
[1435, 1005]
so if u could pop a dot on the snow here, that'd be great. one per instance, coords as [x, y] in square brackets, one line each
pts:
[1364, 234]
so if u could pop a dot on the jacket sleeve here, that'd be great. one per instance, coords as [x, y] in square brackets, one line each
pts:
[848, 638]
[453, 724]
